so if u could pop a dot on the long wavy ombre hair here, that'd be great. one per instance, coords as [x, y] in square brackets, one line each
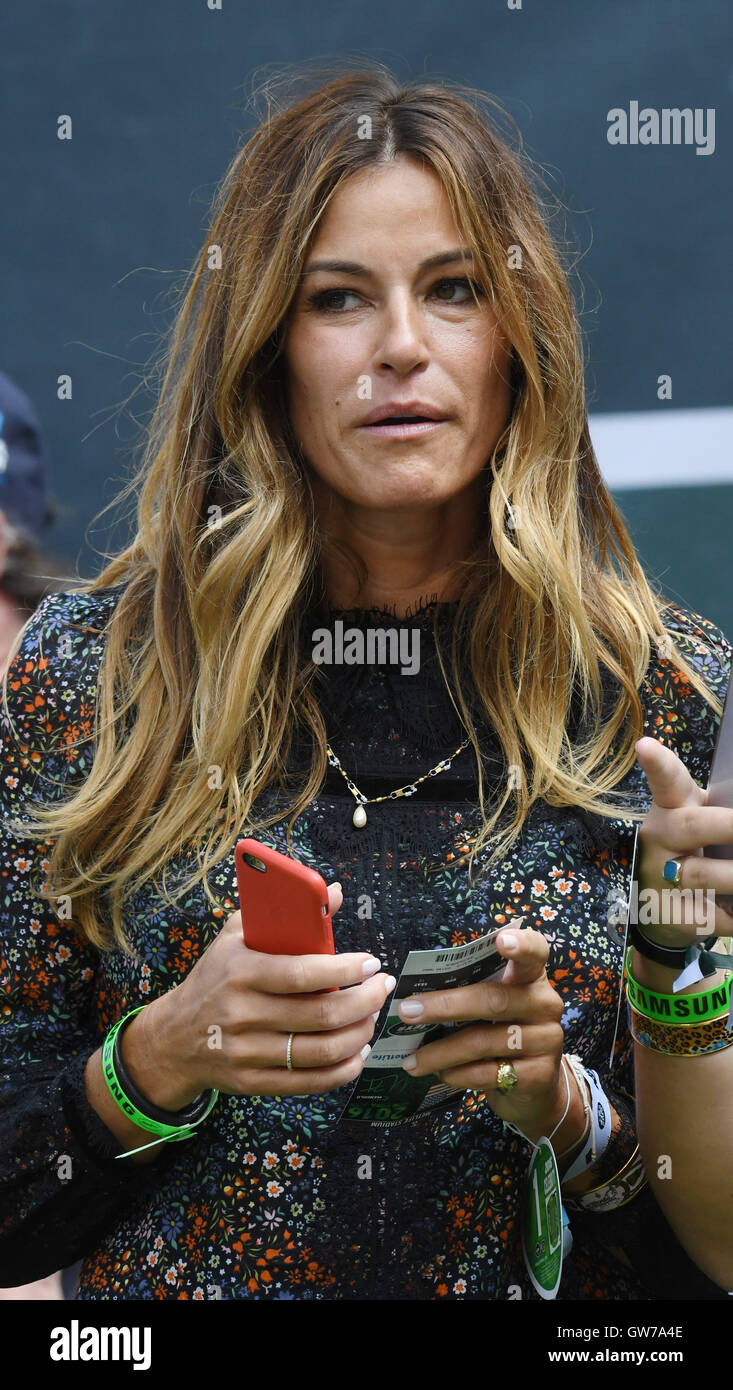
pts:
[203, 664]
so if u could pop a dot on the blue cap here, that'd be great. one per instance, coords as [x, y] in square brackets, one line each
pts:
[23, 462]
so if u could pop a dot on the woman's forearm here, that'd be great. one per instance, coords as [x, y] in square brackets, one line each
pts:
[685, 1125]
[147, 1049]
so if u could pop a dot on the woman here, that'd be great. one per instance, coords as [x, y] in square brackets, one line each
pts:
[375, 253]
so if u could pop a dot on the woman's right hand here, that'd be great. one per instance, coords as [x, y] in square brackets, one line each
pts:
[227, 1024]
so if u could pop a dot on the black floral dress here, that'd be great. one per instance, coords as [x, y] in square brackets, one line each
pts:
[272, 1198]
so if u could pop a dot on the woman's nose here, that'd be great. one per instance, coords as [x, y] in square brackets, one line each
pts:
[401, 340]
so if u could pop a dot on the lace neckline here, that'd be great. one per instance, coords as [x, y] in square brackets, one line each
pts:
[423, 611]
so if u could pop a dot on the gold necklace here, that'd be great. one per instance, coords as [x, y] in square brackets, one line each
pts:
[359, 818]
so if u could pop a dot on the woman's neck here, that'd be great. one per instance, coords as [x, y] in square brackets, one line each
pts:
[408, 555]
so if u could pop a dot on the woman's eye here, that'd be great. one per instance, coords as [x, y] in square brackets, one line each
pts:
[332, 300]
[324, 299]
[457, 283]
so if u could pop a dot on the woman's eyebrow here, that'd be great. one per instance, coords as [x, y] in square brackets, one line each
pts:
[354, 268]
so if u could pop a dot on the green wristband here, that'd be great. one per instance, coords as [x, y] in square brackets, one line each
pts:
[677, 1008]
[198, 1111]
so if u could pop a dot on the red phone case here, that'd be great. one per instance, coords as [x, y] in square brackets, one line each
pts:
[282, 907]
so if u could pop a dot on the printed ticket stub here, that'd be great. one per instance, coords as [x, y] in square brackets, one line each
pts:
[385, 1093]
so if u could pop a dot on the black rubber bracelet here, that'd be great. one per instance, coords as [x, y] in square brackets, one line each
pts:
[673, 956]
[192, 1112]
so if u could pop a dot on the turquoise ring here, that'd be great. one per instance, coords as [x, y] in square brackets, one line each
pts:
[672, 870]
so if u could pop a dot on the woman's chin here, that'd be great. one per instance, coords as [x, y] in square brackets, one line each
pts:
[419, 489]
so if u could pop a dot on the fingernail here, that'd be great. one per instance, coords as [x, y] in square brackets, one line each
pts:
[365, 1051]
[410, 1009]
[370, 967]
[509, 942]
[390, 983]
[337, 885]
[409, 1063]
[376, 1014]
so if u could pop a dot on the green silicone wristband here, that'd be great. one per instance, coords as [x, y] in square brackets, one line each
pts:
[677, 1008]
[163, 1131]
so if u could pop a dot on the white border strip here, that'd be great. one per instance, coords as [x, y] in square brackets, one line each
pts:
[664, 447]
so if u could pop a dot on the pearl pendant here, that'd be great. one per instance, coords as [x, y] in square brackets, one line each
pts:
[359, 817]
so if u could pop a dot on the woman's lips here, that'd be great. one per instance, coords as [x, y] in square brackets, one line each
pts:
[386, 429]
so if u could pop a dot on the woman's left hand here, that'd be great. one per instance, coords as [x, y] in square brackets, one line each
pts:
[516, 1020]
[678, 823]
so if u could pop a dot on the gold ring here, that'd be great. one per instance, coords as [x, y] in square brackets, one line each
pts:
[506, 1077]
[289, 1053]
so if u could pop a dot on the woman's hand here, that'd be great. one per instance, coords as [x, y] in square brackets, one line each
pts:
[678, 822]
[517, 1020]
[227, 1024]
[678, 1099]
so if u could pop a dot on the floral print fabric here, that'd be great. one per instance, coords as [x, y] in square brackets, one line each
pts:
[273, 1197]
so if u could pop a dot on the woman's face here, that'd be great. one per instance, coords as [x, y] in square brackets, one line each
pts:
[385, 331]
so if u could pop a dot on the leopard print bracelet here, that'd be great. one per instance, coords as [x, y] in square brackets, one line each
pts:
[680, 1039]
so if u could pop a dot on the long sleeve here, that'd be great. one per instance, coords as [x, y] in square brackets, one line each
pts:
[60, 1186]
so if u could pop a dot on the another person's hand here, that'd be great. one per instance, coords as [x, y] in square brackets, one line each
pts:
[678, 823]
[227, 1024]
[515, 1020]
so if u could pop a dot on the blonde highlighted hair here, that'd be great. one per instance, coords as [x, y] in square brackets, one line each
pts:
[203, 662]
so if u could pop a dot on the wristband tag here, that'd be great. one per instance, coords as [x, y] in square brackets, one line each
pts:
[690, 976]
[542, 1221]
[600, 1112]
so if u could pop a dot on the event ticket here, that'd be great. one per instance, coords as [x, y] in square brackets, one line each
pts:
[385, 1093]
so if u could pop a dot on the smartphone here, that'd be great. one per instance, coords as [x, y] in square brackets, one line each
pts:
[720, 785]
[284, 904]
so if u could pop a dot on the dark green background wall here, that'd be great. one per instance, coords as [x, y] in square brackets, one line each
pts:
[95, 231]
[684, 538]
